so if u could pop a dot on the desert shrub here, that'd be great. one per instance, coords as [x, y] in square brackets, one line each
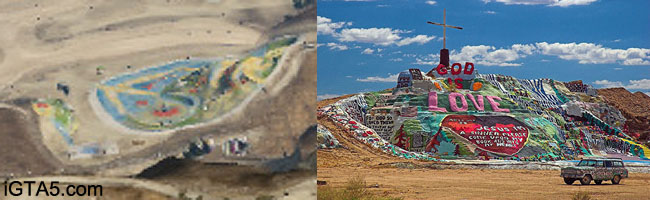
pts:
[354, 189]
[581, 196]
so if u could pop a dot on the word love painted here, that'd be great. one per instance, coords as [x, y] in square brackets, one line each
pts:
[497, 134]
[455, 73]
[477, 102]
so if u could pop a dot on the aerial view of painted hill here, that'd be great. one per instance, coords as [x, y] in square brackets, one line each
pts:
[457, 113]
[161, 99]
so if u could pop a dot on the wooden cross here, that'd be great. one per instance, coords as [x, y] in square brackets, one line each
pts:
[444, 26]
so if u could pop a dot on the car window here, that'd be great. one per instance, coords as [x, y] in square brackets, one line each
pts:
[608, 163]
[600, 164]
[618, 164]
[587, 163]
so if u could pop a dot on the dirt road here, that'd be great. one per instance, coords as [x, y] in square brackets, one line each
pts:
[481, 184]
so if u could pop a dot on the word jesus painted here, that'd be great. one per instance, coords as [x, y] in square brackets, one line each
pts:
[497, 134]
[454, 98]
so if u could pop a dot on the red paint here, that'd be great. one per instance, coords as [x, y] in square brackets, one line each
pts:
[506, 137]
[42, 105]
[193, 90]
[169, 113]
[148, 86]
[142, 103]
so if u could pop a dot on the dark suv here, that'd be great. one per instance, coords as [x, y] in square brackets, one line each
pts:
[598, 169]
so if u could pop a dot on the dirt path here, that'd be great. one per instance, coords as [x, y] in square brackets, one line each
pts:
[480, 184]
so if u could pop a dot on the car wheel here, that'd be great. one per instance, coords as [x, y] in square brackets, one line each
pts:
[616, 180]
[598, 182]
[569, 181]
[586, 180]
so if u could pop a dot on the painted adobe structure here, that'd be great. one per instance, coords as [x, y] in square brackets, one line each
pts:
[452, 113]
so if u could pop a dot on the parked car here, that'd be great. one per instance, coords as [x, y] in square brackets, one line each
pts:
[598, 170]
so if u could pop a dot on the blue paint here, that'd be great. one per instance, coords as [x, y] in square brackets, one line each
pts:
[62, 130]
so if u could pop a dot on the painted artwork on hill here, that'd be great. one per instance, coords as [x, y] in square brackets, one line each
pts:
[189, 91]
[490, 117]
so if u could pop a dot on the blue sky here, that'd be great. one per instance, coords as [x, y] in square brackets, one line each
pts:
[363, 44]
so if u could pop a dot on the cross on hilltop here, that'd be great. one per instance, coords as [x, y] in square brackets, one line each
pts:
[444, 52]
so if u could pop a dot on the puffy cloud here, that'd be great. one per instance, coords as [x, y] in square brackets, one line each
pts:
[431, 2]
[396, 59]
[490, 56]
[489, 12]
[420, 39]
[325, 25]
[379, 36]
[560, 3]
[367, 51]
[584, 53]
[391, 79]
[589, 53]
[567, 3]
[608, 84]
[335, 46]
[641, 84]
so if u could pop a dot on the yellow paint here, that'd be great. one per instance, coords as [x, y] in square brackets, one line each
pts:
[646, 150]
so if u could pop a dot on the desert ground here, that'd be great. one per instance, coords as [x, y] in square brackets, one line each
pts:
[44, 43]
[479, 184]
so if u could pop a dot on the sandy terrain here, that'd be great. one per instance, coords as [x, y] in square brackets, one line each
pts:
[43, 43]
[480, 184]
[21, 148]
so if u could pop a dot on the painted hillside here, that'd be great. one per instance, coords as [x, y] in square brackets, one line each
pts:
[456, 113]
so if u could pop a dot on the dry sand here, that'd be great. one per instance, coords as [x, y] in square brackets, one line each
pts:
[43, 43]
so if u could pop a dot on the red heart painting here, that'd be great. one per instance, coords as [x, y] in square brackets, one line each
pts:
[502, 135]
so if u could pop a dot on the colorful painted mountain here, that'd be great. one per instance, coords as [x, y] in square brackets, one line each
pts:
[454, 113]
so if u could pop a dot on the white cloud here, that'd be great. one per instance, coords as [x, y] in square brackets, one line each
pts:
[335, 46]
[367, 51]
[379, 50]
[382, 5]
[430, 2]
[327, 96]
[419, 61]
[616, 40]
[567, 3]
[618, 69]
[409, 55]
[420, 39]
[560, 3]
[589, 53]
[641, 84]
[396, 59]
[608, 84]
[584, 53]
[379, 36]
[489, 12]
[325, 25]
[374, 79]
[490, 56]
[348, 76]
